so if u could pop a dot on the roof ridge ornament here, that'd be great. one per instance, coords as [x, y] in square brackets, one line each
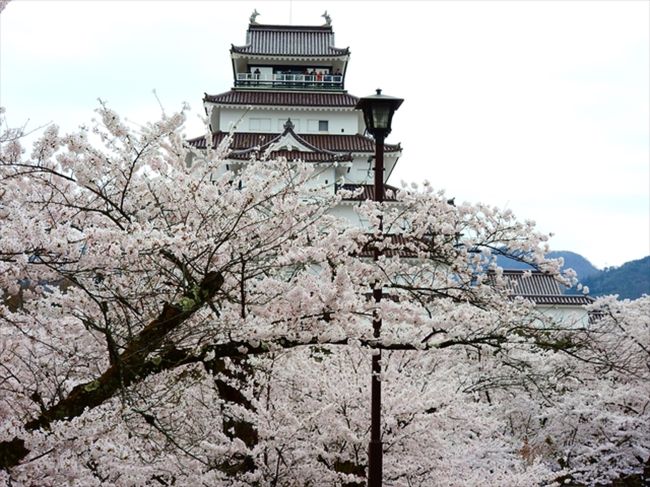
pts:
[328, 19]
[253, 16]
[288, 125]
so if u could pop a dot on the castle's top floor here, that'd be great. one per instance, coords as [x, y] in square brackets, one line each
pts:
[290, 42]
[289, 57]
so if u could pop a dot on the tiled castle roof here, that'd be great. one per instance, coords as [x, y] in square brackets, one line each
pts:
[326, 142]
[293, 155]
[283, 98]
[290, 40]
[541, 288]
[532, 284]
[561, 299]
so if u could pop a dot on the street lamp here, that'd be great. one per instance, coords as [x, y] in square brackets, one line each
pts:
[378, 113]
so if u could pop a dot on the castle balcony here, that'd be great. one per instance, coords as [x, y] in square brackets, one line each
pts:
[318, 81]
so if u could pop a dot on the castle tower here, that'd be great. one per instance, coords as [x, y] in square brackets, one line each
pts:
[289, 100]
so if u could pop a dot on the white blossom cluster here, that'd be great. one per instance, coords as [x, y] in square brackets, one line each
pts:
[167, 319]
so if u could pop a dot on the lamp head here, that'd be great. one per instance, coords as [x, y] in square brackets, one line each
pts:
[378, 112]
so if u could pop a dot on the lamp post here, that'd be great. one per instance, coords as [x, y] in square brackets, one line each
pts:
[378, 113]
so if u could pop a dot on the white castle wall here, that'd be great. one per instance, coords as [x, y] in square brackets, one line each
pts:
[273, 120]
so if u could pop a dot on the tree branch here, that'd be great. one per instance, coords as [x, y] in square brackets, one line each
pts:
[130, 366]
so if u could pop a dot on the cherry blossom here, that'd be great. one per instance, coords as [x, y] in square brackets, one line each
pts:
[169, 317]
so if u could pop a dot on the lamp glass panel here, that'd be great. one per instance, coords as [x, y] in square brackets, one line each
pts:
[381, 115]
[368, 118]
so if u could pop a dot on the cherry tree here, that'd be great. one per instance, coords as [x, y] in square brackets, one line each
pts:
[593, 419]
[173, 319]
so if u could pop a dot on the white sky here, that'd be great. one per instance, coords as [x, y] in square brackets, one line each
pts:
[539, 106]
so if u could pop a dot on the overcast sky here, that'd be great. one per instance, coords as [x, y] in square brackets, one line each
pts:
[542, 107]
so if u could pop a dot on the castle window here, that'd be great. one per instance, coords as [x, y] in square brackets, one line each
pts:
[259, 124]
[317, 125]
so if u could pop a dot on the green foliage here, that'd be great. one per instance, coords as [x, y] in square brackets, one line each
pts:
[630, 281]
[186, 303]
[91, 386]
[577, 262]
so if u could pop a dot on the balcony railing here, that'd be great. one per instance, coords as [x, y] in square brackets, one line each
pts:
[319, 81]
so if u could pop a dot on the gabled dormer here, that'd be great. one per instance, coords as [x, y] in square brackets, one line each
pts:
[289, 57]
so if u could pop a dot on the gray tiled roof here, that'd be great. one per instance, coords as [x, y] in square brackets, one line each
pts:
[532, 284]
[541, 288]
[290, 40]
[347, 143]
[291, 156]
[283, 98]
[325, 142]
[563, 299]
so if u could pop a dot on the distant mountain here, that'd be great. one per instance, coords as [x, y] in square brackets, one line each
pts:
[629, 281]
[577, 262]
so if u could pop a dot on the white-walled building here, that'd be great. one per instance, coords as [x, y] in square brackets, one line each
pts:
[549, 297]
[289, 100]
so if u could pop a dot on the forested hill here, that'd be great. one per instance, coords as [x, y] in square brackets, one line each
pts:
[629, 281]
[577, 262]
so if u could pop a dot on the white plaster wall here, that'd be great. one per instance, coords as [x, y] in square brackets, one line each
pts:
[273, 120]
[214, 116]
[362, 171]
[233, 118]
[347, 212]
[570, 316]
[324, 175]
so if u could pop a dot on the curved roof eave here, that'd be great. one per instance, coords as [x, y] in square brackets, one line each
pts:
[344, 56]
[292, 99]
